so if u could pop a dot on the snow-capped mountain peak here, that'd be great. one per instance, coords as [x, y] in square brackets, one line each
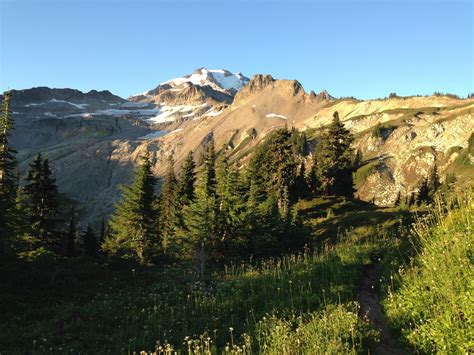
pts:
[218, 79]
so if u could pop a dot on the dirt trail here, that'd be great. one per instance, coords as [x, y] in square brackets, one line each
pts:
[371, 311]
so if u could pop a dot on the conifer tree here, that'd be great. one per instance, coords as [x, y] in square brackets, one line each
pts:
[200, 217]
[90, 242]
[230, 202]
[423, 192]
[8, 181]
[42, 203]
[335, 160]
[434, 182]
[169, 207]
[187, 180]
[134, 223]
[398, 199]
[209, 170]
[71, 235]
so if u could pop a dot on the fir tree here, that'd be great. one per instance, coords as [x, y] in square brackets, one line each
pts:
[335, 160]
[42, 203]
[209, 170]
[434, 182]
[71, 235]
[169, 207]
[230, 202]
[134, 223]
[187, 180]
[8, 181]
[90, 242]
[423, 192]
[398, 199]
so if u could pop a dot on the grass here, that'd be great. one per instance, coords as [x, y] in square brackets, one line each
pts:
[361, 174]
[295, 304]
[432, 305]
[305, 298]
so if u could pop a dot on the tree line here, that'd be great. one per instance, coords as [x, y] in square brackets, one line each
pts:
[213, 209]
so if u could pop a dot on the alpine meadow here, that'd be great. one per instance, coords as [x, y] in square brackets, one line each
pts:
[217, 213]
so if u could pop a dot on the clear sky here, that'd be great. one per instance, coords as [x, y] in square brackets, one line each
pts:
[360, 48]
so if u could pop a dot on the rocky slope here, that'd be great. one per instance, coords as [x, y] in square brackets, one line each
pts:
[94, 139]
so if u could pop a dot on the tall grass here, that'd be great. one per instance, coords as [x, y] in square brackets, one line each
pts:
[434, 305]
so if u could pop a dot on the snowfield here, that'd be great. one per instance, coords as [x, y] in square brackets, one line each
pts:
[270, 115]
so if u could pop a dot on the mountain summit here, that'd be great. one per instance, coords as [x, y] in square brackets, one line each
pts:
[219, 80]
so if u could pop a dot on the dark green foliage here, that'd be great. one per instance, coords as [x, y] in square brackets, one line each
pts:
[41, 202]
[334, 159]
[70, 249]
[299, 142]
[470, 147]
[8, 176]
[398, 199]
[273, 168]
[169, 208]
[134, 224]
[187, 180]
[230, 202]
[382, 130]
[428, 187]
[358, 159]
[209, 170]
[90, 242]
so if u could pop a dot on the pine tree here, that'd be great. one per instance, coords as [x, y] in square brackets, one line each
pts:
[187, 180]
[42, 202]
[335, 160]
[169, 207]
[358, 159]
[71, 235]
[434, 182]
[134, 223]
[302, 188]
[230, 211]
[423, 192]
[398, 199]
[199, 219]
[8, 181]
[90, 242]
[209, 170]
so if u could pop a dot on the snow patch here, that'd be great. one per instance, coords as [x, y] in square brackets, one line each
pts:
[81, 106]
[213, 113]
[276, 115]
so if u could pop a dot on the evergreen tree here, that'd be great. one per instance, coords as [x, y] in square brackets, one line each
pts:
[209, 170]
[230, 202]
[169, 207]
[423, 192]
[42, 202]
[71, 235]
[335, 160]
[199, 219]
[302, 188]
[398, 199]
[187, 180]
[90, 242]
[8, 181]
[434, 182]
[134, 223]
[358, 159]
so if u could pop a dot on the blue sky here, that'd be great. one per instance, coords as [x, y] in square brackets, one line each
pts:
[361, 48]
